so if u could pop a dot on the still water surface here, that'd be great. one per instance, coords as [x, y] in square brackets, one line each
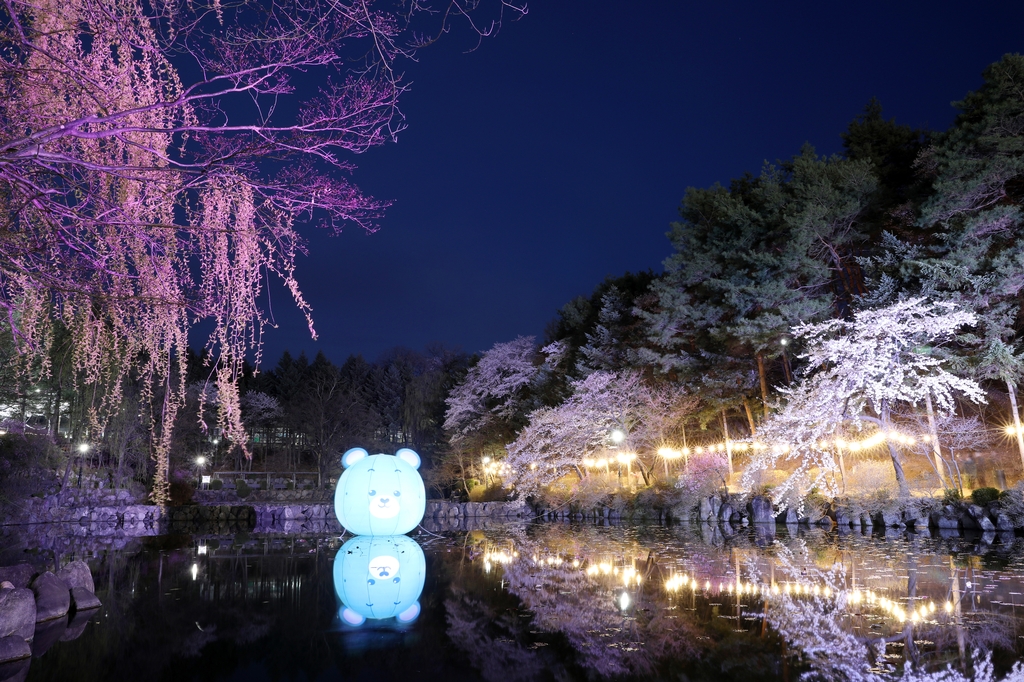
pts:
[542, 602]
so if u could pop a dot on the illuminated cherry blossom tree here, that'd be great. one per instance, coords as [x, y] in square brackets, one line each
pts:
[558, 439]
[860, 370]
[155, 159]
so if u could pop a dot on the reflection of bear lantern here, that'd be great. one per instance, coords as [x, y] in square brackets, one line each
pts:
[379, 577]
[380, 494]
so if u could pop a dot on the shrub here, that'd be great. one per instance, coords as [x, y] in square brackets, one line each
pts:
[983, 496]
[216, 484]
[1011, 502]
[951, 496]
[242, 488]
[491, 493]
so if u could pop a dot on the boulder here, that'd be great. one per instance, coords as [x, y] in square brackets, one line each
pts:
[19, 576]
[53, 600]
[844, 520]
[83, 600]
[1003, 521]
[725, 512]
[787, 516]
[865, 520]
[916, 520]
[975, 517]
[760, 508]
[704, 512]
[825, 522]
[13, 648]
[943, 522]
[17, 612]
[716, 505]
[77, 574]
[887, 519]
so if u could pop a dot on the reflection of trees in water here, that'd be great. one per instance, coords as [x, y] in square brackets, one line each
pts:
[496, 640]
[569, 591]
[712, 625]
[901, 635]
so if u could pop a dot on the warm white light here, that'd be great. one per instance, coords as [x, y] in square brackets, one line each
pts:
[195, 571]
[83, 447]
[618, 436]
[201, 461]
[624, 601]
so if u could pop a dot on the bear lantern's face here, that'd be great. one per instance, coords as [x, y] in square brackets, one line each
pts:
[379, 577]
[380, 494]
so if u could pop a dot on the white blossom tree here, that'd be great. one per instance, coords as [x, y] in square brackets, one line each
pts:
[494, 389]
[558, 439]
[859, 371]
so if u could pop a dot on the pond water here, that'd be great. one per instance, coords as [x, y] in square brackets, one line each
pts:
[538, 602]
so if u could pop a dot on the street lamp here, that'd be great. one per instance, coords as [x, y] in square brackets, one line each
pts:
[618, 436]
[83, 448]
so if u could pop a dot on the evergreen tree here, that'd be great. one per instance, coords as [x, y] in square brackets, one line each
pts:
[750, 262]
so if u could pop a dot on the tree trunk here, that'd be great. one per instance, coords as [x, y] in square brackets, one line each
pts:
[1016, 418]
[764, 383]
[897, 465]
[787, 368]
[936, 449]
[750, 416]
[728, 445]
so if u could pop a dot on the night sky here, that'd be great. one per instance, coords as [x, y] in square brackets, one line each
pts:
[557, 153]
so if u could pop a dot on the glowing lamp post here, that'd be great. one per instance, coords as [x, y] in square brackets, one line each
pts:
[666, 454]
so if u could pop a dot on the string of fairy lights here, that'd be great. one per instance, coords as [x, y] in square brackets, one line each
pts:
[855, 599]
[848, 444]
[878, 439]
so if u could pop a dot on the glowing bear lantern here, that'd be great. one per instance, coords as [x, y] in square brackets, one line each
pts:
[379, 577]
[380, 494]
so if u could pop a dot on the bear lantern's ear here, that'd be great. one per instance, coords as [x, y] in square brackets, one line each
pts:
[409, 457]
[352, 456]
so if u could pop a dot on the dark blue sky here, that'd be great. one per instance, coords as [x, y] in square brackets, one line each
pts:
[557, 153]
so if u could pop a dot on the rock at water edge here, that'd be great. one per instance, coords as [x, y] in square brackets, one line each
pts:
[77, 574]
[83, 599]
[760, 508]
[17, 612]
[13, 648]
[53, 600]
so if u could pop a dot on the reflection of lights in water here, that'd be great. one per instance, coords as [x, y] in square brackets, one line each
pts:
[623, 601]
[195, 571]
